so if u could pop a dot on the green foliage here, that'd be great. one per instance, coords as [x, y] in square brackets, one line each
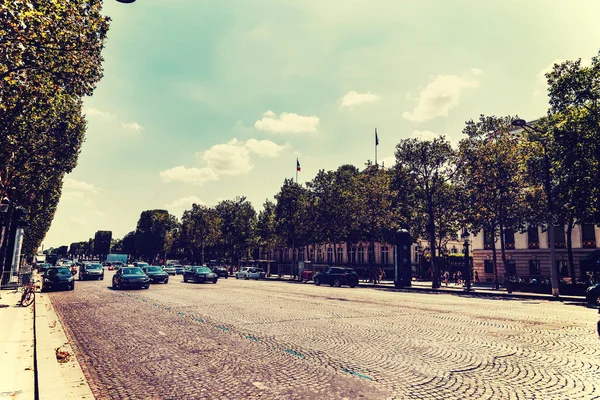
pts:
[290, 208]
[129, 244]
[238, 228]
[102, 240]
[201, 228]
[266, 226]
[154, 234]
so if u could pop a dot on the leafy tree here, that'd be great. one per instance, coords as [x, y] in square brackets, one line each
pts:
[266, 229]
[154, 234]
[492, 177]
[289, 210]
[102, 240]
[238, 227]
[129, 244]
[62, 251]
[200, 229]
[116, 246]
[428, 165]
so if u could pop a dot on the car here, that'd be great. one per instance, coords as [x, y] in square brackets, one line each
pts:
[140, 264]
[156, 274]
[200, 274]
[116, 266]
[43, 267]
[256, 273]
[178, 269]
[337, 276]
[592, 294]
[91, 271]
[130, 277]
[58, 278]
[169, 269]
[221, 272]
[242, 273]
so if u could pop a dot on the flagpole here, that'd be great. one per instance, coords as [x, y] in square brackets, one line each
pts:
[376, 146]
[296, 170]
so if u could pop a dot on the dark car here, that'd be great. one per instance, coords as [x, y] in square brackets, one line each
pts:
[200, 274]
[592, 295]
[58, 278]
[178, 269]
[130, 277]
[336, 276]
[221, 272]
[91, 271]
[156, 274]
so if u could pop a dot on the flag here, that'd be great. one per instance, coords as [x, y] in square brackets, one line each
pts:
[376, 138]
[297, 165]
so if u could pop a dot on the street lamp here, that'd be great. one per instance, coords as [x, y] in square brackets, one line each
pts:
[465, 237]
[126, 1]
[521, 123]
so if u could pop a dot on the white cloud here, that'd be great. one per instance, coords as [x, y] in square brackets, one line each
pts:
[185, 203]
[196, 176]
[353, 98]
[476, 71]
[265, 148]
[440, 95]
[75, 185]
[94, 112]
[287, 123]
[232, 158]
[424, 135]
[133, 127]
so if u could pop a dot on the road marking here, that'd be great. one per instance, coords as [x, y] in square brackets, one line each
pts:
[162, 333]
[260, 385]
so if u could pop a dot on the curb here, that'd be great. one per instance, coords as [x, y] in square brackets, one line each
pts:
[55, 380]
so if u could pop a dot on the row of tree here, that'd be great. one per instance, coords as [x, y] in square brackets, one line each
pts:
[501, 177]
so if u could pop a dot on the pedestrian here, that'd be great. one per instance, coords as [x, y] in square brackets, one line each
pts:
[476, 277]
[459, 278]
[446, 277]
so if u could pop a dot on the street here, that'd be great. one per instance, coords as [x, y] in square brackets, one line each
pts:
[265, 339]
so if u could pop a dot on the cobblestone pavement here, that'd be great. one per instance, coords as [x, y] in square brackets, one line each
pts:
[276, 340]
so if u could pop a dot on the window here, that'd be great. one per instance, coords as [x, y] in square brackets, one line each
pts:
[588, 236]
[340, 255]
[301, 254]
[353, 255]
[533, 238]
[511, 268]
[319, 255]
[563, 268]
[560, 241]
[385, 255]
[371, 254]
[509, 239]
[488, 266]
[488, 240]
[534, 267]
[329, 255]
[361, 255]
[312, 254]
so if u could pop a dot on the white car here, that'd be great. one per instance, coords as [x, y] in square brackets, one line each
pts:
[169, 269]
[256, 273]
[243, 273]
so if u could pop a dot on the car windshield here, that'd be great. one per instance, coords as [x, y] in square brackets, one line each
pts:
[94, 266]
[154, 269]
[59, 271]
[132, 271]
[202, 269]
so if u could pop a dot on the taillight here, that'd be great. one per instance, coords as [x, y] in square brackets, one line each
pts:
[344, 275]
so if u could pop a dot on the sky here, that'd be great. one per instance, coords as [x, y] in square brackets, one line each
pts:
[203, 100]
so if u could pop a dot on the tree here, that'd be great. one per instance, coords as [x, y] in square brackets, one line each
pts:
[266, 229]
[492, 180]
[62, 251]
[154, 234]
[289, 210]
[102, 240]
[129, 244]
[238, 228]
[428, 165]
[201, 228]
[116, 246]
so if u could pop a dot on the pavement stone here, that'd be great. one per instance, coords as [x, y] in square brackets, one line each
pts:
[264, 339]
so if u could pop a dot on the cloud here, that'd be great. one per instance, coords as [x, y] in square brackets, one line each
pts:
[265, 148]
[75, 185]
[424, 135]
[133, 127]
[94, 112]
[287, 123]
[476, 71]
[353, 98]
[231, 158]
[185, 203]
[196, 176]
[440, 95]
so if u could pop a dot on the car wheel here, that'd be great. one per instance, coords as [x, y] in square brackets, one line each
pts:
[102, 277]
[184, 279]
[72, 286]
[80, 277]
[215, 280]
[337, 283]
[353, 284]
[196, 279]
[166, 280]
[226, 277]
[236, 276]
[318, 281]
[114, 284]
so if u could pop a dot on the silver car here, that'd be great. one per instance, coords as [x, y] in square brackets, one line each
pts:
[169, 269]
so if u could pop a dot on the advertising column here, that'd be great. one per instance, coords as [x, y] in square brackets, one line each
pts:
[14, 273]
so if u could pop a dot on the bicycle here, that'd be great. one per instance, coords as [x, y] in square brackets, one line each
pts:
[28, 296]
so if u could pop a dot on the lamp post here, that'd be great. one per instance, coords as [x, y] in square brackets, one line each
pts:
[465, 237]
[521, 123]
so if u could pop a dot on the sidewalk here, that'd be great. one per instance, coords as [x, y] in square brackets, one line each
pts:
[33, 336]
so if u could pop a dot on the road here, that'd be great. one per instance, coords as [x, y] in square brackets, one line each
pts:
[242, 339]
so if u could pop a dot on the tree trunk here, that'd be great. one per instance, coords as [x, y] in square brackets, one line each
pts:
[503, 250]
[570, 249]
[495, 259]
[435, 278]
[202, 255]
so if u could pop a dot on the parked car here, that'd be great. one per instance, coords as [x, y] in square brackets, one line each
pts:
[336, 276]
[156, 274]
[242, 273]
[200, 274]
[178, 269]
[58, 278]
[130, 277]
[592, 295]
[256, 273]
[140, 264]
[221, 272]
[91, 271]
[169, 269]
